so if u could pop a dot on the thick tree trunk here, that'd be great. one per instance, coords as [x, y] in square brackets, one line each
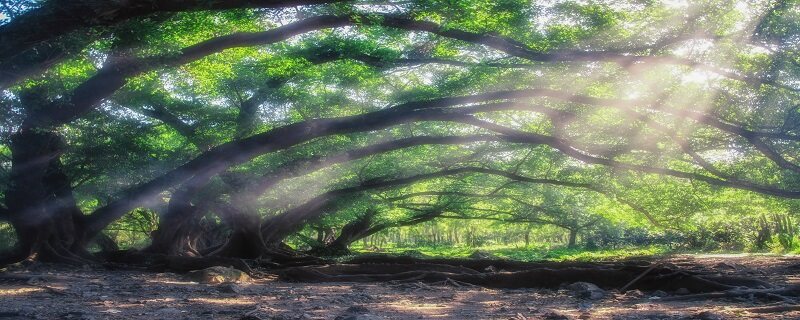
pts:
[245, 239]
[179, 228]
[40, 202]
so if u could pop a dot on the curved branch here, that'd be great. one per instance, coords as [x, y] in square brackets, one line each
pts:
[275, 228]
[564, 146]
[58, 18]
[112, 77]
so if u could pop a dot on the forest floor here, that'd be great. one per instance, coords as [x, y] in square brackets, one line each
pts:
[59, 292]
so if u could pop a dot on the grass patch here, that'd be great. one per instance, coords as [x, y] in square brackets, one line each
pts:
[525, 254]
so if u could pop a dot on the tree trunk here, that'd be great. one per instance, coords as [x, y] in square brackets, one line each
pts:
[245, 239]
[573, 239]
[527, 238]
[40, 202]
[179, 228]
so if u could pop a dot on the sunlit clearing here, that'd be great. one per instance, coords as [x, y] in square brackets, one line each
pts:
[223, 301]
[19, 291]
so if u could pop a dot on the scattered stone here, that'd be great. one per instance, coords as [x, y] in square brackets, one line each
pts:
[217, 275]
[724, 266]
[682, 291]
[112, 311]
[229, 288]
[357, 309]
[635, 293]
[707, 315]
[552, 315]
[658, 294]
[586, 290]
[480, 254]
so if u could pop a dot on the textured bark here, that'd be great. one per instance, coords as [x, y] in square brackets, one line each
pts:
[179, 228]
[364, 227]
[245, 238]
[572, 241]
[60, 17]
[41, 207]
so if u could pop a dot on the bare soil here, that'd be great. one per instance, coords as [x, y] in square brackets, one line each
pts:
[58, 292]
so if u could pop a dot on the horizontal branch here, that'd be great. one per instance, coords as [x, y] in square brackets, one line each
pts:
[55, 19]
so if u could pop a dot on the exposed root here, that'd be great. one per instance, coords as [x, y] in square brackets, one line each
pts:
[11, 257]
[604, 276]
[781, 294]
[481, 265]
[774, 309]
[160, 262]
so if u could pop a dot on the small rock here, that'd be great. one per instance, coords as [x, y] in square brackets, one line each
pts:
[480, 254]
[112, 311]
[229, 288]
[682, 291]
[216, 275]
[725, 266]
[659, 294]
[636, 293]
[707, 315]
[586, 290]
[552, 315]
[357, 309]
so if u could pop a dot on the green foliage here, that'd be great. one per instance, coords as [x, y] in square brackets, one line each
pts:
[526, 254]
[701, 69]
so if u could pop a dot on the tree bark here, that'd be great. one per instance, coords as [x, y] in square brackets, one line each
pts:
[573, 239]
[40, 203]
[351, 232]
[245, 239]
[179, 229]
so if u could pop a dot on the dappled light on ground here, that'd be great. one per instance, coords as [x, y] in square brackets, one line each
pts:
[141, 295]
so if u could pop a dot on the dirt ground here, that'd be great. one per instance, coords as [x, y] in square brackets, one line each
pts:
[57, 292]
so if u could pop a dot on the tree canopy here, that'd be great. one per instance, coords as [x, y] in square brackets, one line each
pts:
[231, 127]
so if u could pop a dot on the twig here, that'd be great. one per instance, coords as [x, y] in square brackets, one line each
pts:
[639, 277]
